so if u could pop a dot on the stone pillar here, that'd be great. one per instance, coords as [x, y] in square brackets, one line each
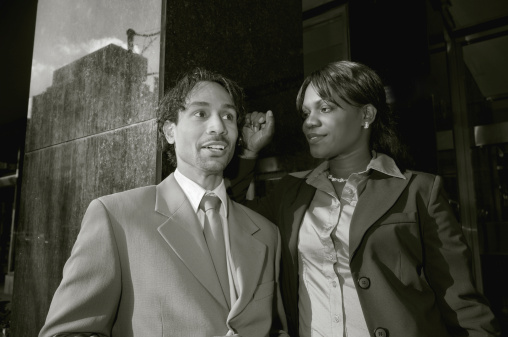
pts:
[256, 43]
[91, 133]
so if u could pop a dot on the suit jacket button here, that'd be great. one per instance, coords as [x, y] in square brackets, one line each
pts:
[364, 282]
[381, 332]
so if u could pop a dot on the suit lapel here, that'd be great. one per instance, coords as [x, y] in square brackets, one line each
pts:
[183, 233]
[294, 215]
[248, 255]
[379, 195]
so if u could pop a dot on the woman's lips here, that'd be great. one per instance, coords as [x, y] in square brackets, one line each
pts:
[313, 138]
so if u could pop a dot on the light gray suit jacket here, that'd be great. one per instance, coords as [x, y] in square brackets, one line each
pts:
[140, 267]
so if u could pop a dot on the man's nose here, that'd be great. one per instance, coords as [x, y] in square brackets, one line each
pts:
[216, 125]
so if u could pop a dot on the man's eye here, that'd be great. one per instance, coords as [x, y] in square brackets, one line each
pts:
[228, 116]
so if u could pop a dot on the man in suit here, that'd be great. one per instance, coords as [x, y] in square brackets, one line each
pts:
[149, 262]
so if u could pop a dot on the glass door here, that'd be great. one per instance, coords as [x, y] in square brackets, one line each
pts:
[470, 83]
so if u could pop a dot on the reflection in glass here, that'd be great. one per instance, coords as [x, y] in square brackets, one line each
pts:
[68, 31]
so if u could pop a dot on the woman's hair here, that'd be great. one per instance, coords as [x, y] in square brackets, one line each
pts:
[175, 100]
[358, 85]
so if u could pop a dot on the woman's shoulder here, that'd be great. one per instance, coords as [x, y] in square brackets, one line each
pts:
[421, 175]
[424, 180]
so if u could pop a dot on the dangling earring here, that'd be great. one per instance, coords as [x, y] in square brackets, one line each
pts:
[366, 125]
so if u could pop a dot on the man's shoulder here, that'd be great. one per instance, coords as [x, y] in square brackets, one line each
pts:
[128, 207]
[135, 195]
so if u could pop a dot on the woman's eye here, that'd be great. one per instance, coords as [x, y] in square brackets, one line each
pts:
[305, 114]
[199, 113]
[325, 109]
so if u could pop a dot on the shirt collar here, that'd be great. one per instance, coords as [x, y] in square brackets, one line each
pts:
[384, 164]
[379, 162]
[195, 192]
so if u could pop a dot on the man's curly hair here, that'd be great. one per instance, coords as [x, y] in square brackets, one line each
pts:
[175, 100]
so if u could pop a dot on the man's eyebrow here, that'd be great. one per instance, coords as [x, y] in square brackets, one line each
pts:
[206, 104]
[198, 103]
[229, 106]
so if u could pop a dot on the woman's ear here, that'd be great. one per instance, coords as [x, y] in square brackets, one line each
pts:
[369, 115]
[169, 131]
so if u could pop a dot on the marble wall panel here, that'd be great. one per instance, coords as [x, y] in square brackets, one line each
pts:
[92, 132]
[59, 183]
[256, 43]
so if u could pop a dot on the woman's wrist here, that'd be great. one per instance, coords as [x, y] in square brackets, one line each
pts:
[248, 154]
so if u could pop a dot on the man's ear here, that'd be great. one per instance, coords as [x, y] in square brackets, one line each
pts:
[169, 131]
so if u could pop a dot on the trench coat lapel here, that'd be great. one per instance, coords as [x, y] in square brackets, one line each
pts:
[248, 255]
[183, 233]
[380, 193]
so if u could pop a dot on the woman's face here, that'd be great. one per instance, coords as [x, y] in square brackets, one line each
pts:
[332, 130]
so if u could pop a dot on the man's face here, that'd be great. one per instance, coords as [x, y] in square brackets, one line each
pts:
[206, 132]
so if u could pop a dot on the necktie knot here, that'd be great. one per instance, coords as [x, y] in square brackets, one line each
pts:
[210, 201]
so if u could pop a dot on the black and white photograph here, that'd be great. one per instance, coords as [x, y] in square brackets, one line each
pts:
[270, 168]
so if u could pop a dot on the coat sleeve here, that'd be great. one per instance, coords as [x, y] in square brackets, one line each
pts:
[239, 179]
[279, 326]
[86, 300]
[268, 206]
[448, 268]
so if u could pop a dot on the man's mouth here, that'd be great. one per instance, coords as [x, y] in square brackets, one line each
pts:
[215, 146]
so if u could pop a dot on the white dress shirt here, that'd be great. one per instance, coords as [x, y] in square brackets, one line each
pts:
[195, 193]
